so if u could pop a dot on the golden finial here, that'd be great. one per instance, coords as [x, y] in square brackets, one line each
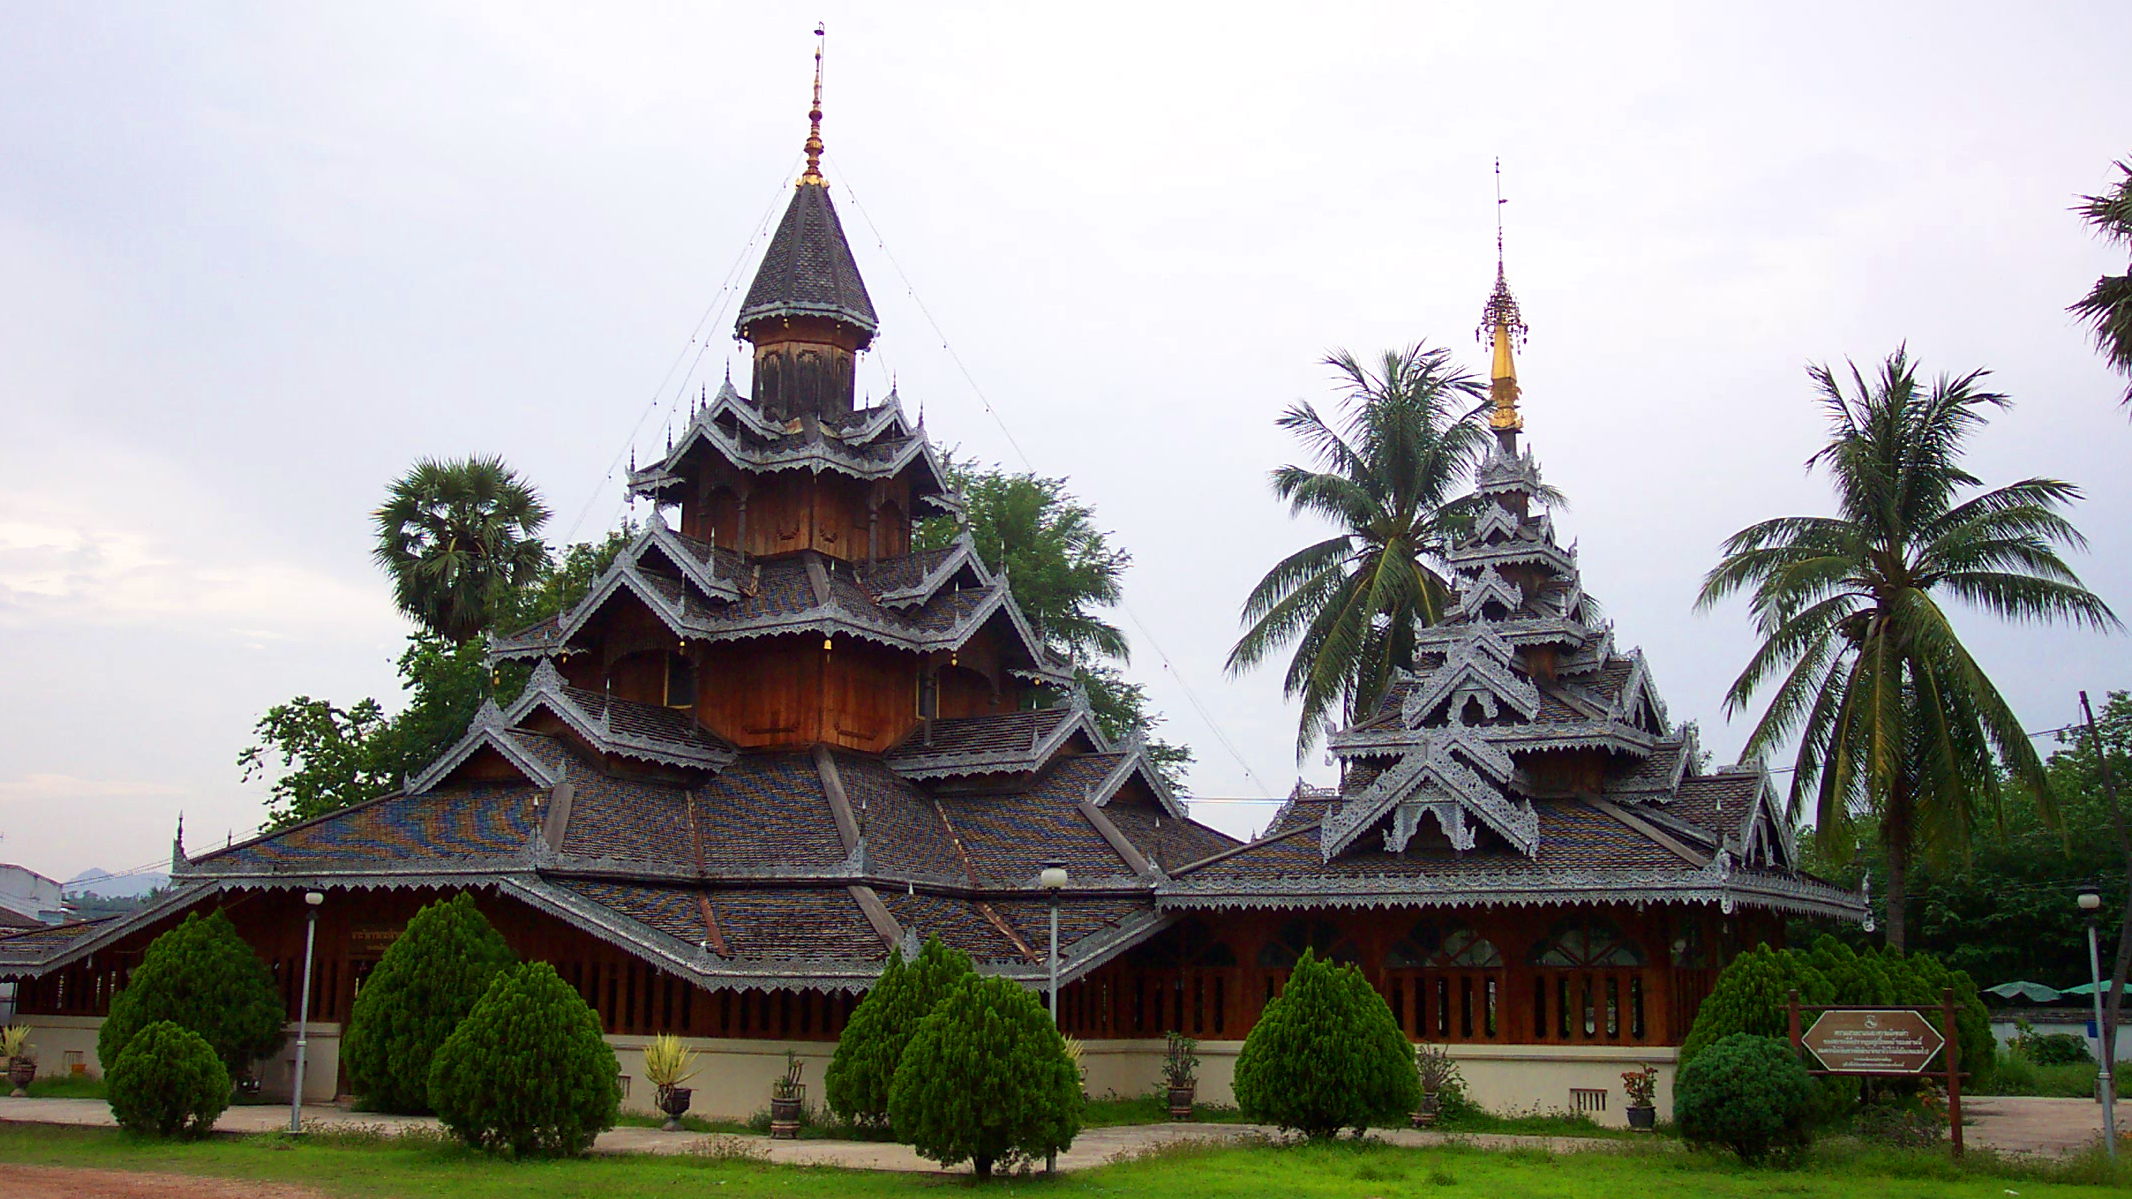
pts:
[1504, 326]
[813, 173]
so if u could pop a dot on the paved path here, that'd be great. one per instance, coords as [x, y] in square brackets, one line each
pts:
[2031, 1124]
[1094, 1147]
[2004, 1123]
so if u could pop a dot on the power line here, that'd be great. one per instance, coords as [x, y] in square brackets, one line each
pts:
[2063, 728]
[696, 340]
[1168, 665]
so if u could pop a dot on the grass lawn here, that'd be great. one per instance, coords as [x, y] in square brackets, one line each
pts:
[354, 1168]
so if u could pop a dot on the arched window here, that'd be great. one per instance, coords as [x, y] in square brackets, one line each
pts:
[1587, 941]
[1323, 936]
[1427, 948]
[1188, 944]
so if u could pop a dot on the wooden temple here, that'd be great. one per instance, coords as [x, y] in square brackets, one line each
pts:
[775, 741]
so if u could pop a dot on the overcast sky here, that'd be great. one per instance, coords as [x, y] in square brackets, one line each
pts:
[254, 260]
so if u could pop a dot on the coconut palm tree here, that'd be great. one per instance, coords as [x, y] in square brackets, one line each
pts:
[1893, 716]
[2108, 308]
[1386, 478]
[458, 539]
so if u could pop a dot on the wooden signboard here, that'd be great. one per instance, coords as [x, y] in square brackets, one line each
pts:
[1889, 1041]
[1877, 1042]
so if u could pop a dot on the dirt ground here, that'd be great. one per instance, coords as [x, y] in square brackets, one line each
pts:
[56, 1182]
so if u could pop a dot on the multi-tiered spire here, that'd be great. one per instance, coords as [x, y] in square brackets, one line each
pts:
[1503, 326]
[807, 312]
[813, 174]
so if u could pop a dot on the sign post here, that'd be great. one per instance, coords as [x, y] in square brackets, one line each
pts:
[1883, 1042]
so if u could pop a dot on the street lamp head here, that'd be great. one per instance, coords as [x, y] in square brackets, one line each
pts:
[1053, 876]
[314, 898]
[2090, 902]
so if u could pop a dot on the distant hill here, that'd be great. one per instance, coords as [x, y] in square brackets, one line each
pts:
[105, 885]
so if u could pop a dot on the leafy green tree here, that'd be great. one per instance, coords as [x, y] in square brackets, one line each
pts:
[2107, 307]
[426, 983]
[862, 1072]
[458, 538]
[527, 1073]
[324, 757]
[2006, 911]
[200, 975]
[1061, 567]
[1747, 1093]
[1386, 477]
[986, 1079]
[1891, 713]
[563, 580]
[167, 1083]
[1326, 1054]
[1751, 996]
[1062, 571]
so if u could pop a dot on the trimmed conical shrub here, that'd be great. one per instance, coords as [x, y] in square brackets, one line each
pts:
[863, 1070]
[986, 1079]
[1325, 1055]
[167, 1083]
[527, 1072]
[202, 976]
[421, 989]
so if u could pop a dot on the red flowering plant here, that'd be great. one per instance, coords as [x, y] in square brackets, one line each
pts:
[1641, 1084]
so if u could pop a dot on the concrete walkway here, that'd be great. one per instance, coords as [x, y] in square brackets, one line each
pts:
[2032, 1124]
[2004, 1123]
[1094, 1147]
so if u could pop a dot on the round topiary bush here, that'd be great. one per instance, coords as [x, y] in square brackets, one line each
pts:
[200, 975]
[1747, 1093]
[863, 1070]
[527, 1072]
[986, 1079]
[427, 982]
[167, 1083]
[1326, 1054]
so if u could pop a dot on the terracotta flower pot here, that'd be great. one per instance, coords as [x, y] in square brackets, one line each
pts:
[21, 1071]
[1181, 1101]
[674, 1102]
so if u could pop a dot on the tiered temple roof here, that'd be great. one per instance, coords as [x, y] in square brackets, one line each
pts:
[1526, 760]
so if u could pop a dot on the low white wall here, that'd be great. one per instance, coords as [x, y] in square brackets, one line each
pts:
[732, 1080]
[52, 1038]
[2075, 1023]
[1505, 1079]
[733, 1076]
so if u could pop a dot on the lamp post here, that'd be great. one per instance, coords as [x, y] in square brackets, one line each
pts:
[2091, 904]
[1052, 880]
[303, 1010]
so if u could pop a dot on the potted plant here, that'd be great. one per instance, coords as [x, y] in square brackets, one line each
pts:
[1642, 1087]
[1180, 1069]
[668, 1063]
[21, 1067]
[787, 1100]
[1076, 1053]
[1437, 1074]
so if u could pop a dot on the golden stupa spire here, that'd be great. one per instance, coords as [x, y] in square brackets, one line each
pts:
[813, 173]
[1503, 326]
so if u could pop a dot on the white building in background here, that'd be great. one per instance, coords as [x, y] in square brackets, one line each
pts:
[27, 897]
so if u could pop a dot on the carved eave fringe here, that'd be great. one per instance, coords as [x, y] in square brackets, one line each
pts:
[1714, 884]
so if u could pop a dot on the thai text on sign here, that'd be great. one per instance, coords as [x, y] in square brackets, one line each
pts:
[1873, 1042]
